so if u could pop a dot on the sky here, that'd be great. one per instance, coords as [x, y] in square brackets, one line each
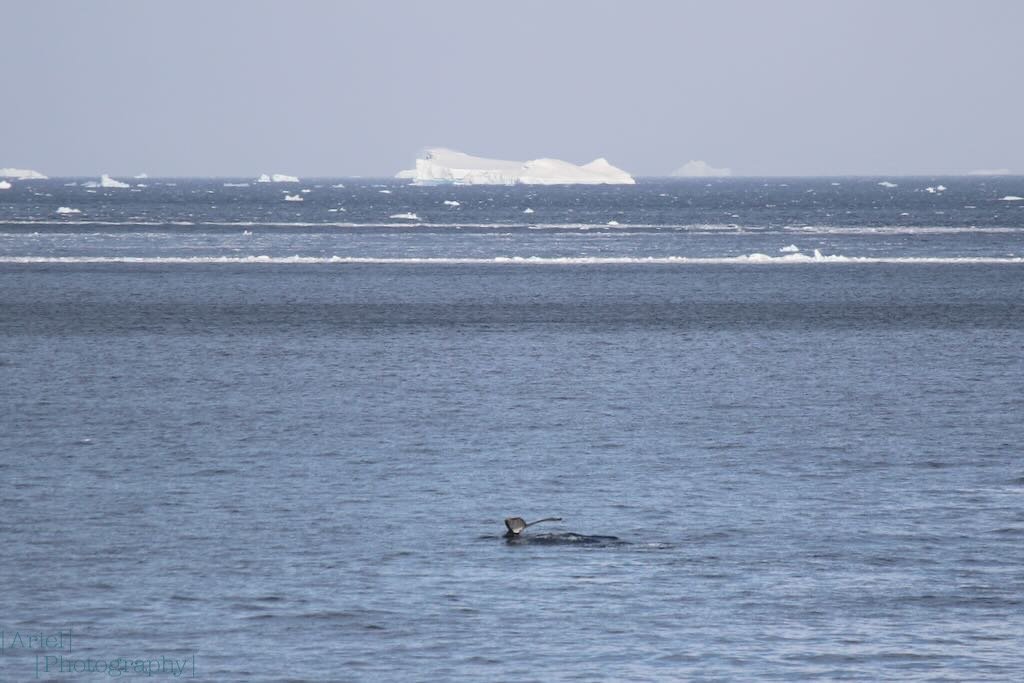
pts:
[330, 88]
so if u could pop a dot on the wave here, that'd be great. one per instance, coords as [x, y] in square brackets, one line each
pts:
[751, 259]
[618, 229]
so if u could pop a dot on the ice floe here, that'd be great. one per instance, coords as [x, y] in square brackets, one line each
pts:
[700, 169]
[886, 183]
[68, 210]
[1012, 198]
[990, 171]
[790, 249]
[439, 165]
[4, 185]
[406, 216]
[451, 202]
[293, 198]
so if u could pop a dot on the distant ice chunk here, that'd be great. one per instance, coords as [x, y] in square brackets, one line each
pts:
[293, 198]
[406, 216]
[790, 249]
[107, 181]
[445, 166]
[613, 223]
[21, 174]
[384, 191]
[142, 176]
[236, 184]
[306, 191]
[527, 210]
[338, 185]
[886, 183]
[68, 210]
[990, 171]
[451, 202]
[1012, 198]
[276, 178]
[700, 169]
[4, 185]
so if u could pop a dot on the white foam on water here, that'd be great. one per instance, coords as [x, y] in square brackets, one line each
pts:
[751, 259]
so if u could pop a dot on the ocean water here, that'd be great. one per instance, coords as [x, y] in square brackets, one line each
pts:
[257, 440]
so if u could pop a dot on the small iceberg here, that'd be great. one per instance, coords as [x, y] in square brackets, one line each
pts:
[4, 185]
[107, 181]
[338, 185]
[1012, 198]
[293, 198]
[21, 174]
[613, 223]
[236, 184]
[700, 169]
[527, 210]
[65, 210]
[276, 178]
[142, 176]
[406, 216]
[384, 191]
[451, 202]
[790, 249]
[886, 183]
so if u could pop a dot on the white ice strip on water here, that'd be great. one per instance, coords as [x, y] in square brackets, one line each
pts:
[405, 216]
[886, 183]
[68, 210]
[790, 249]
[276, 178]
[4, 185]
[451, 202]
[751, 259]
[293, 198]
[1012, 198]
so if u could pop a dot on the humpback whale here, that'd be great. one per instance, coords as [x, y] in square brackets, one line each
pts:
[516, 525]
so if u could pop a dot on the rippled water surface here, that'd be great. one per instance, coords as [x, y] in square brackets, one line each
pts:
[292, 470]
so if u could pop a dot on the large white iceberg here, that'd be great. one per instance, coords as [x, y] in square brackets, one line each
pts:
[700, 169]
[21, 174]
[439, 165]
[4, 185]
[107, 181]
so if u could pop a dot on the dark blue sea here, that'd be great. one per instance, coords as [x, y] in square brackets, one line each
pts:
[245, 438]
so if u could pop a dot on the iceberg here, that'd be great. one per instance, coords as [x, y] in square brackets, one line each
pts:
[406, 216]
[439, 166]
[886, 183]
[4, 185]
[990, 171]
[276, 178]
[107, 181]
[293, 198]
[451, 202]
[700, 169]
[1012, 198]
[67, 210]
[21, 174]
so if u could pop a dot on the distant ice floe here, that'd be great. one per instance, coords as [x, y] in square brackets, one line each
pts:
[4, 185]
[293, 198]
[790, 249]
[445, 166]
[700, 169]
[406, 216]
[451, 202]
[141, 176]
[107, 181]
[612, 223]
[935, 190]
[886, 183]
[1012, 198]
[276, 178]
[990, 171]
[236, 184]
[68, 210]
[21, 174]
[527, 210]
[338, 185]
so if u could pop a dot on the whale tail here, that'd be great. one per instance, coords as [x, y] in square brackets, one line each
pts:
[516, 525]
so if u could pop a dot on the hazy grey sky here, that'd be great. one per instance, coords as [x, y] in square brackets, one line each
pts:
[802, 87]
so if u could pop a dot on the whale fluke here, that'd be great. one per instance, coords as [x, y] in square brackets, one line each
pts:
[516, 525]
